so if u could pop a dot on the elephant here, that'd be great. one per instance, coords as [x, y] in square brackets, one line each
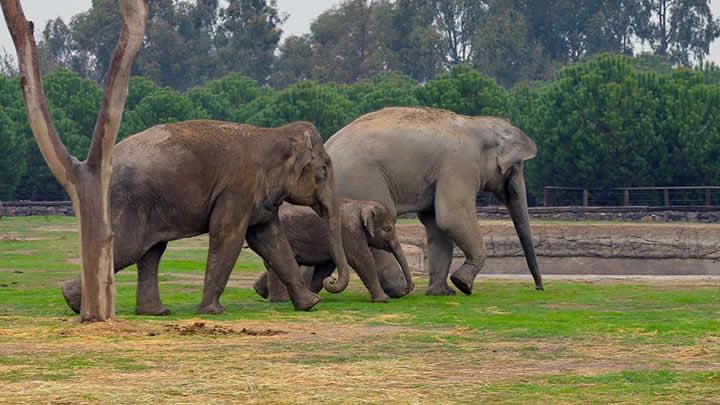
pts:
[434, 162]
[365, 224]
[227, 180]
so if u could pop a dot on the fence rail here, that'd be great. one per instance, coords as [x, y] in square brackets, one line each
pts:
[686, 196]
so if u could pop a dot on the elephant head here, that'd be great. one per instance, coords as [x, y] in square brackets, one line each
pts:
[514, 147]
[314, 186]
[379, 226]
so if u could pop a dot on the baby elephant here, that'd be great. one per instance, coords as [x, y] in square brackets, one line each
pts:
[365, 224]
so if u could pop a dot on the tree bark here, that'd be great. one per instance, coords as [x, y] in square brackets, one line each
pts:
[87, 183]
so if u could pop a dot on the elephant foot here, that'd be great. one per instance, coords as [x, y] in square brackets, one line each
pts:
[305, 301]
[156, 310]
[440, 289]
[464, 278]
[72, 292]
[261, 287]
[280, 297]
[380, 297]
[410, 288]
[212, 309]
[396, 291]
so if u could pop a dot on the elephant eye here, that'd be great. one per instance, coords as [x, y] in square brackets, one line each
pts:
[387, 229]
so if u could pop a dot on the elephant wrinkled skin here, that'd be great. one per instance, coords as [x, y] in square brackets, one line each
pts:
[181, 180]
[365, 224]
[434, 162]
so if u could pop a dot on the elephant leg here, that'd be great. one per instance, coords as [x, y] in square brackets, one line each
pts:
[313, 276]
[313, 282]
[226, 242]
[147, 300]
[389, 273]
[455, 215]
[268, 285]
[269, 241]
[277, 290]
[261, 284]
[440, 250]
[72, 289]
[364, 264]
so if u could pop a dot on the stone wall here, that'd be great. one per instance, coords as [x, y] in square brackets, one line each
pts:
[40, 208]
[606, 248]
[631, 214]
[642, 214]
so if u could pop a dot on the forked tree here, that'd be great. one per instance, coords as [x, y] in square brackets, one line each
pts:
[87, 182]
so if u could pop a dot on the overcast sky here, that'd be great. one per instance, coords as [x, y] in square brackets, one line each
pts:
[301, 14]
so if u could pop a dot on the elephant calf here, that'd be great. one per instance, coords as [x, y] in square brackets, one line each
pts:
[365, 225]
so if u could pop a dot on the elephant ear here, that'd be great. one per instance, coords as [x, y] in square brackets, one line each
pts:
[302, 153]
[514, 147]
[367, 215]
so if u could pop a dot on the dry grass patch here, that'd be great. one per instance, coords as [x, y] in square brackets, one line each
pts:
[308, 362]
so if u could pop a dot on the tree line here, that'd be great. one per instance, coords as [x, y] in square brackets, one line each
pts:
[611, 121]
[509, 40]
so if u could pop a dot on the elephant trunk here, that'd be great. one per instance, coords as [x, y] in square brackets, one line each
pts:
[328, 208]
[517, 205]
[396, 250]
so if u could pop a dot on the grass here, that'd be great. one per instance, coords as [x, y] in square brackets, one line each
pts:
[576, 342]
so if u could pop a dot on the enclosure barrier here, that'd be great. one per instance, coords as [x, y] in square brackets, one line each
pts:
[685, 196]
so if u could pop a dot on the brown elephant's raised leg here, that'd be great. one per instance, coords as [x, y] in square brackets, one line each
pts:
[440, 249]
[269, 241]
[147, 299]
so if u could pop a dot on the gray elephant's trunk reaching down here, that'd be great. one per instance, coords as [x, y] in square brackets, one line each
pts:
[329, 209]
[400, 257]
[517, 205]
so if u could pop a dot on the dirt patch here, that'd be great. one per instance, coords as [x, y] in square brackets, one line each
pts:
[201, 328]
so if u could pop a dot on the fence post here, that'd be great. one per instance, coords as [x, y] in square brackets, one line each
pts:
[586, 197]
[546, 197]
[626, 197]
[708, 198]
[666, 194]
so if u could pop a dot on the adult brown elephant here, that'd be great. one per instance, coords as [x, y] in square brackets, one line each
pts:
[434, 162]
[181, 180]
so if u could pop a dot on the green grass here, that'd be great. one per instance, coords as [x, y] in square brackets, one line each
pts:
[576, 342]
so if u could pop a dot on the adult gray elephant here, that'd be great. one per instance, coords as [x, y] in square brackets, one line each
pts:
[185, 179]
[434, 162]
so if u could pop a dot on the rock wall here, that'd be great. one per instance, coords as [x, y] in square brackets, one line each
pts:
[40, 208]
[577, 248]
[631, 214]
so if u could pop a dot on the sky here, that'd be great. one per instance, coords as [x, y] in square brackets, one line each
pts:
[301, 13]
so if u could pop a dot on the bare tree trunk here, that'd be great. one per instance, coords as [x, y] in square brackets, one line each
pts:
[96, 246]
[87, 183]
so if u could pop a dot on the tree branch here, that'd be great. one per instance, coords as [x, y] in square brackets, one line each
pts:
[56, 155]
[135, 14]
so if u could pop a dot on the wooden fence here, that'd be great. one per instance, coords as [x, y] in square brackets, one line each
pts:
[687, 196]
